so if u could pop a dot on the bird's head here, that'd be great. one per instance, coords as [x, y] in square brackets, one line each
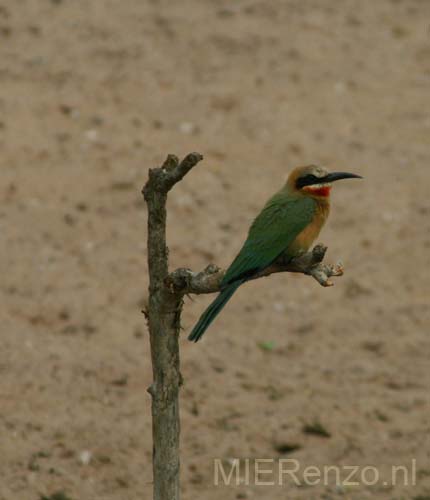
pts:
[315, 181]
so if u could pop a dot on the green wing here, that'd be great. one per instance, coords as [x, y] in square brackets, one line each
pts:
[274, 229]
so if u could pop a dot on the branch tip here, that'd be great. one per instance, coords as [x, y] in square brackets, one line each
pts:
[170, 163]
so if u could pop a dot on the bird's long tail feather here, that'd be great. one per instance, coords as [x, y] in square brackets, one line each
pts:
[213, 310]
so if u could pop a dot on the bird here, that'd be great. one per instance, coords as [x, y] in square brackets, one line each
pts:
[287, 225]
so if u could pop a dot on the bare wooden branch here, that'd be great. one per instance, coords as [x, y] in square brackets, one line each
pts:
[185, 281]
[163, 178]
[163, 314]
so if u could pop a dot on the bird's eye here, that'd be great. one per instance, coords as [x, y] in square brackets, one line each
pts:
[306, 180]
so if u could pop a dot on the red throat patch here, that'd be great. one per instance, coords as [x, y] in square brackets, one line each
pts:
[319, 191]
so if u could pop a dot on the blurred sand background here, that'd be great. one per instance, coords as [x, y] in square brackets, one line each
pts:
[92, 94]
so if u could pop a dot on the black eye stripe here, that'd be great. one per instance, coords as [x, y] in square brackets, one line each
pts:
[307, 180]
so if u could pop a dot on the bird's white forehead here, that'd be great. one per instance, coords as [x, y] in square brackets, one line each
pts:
[320, 172]
[317, 171]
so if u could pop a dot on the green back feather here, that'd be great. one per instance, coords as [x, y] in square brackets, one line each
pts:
[283, 217]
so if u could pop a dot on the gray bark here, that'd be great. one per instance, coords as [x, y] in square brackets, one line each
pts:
[163, 314]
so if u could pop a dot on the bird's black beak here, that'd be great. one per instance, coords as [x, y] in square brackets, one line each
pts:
[337, 176]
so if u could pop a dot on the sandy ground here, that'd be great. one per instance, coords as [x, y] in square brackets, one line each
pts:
[92, 94]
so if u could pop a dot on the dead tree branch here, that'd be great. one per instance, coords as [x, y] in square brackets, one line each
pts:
[164, 313]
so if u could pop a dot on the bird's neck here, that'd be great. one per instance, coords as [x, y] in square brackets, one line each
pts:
[322, 202]
[321, 197]
[307, 236]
